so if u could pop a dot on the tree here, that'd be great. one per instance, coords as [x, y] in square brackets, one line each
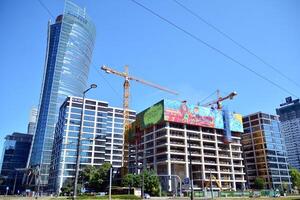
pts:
[67, 187]
[131, 180]
[259, 183]
[285, 186]
[295, 176]
[151, 182]
[96, 177]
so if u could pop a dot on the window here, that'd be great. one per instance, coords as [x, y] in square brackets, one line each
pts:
[90, 102]
[253, 117]
[89, 118]
[74, 116]
[118, 141]
[102, 104]
[118, 120]
[88, 124]
[89, 112]
[76, 110]
[89, 130]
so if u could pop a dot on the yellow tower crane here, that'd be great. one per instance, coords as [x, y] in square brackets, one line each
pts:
[220, 99]
[126, 95]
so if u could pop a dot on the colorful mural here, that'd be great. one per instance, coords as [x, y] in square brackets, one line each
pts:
[182, 112]
[236, 122]
[151, 116]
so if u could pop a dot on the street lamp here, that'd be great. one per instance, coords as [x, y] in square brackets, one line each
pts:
[79, 139]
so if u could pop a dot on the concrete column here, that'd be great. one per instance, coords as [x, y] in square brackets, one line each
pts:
[217, 157]
[154, 148]
[187, 169]
[169, 157]
[232, 169]
[202, 158]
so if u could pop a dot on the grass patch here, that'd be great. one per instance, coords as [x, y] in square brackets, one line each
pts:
[116, 197]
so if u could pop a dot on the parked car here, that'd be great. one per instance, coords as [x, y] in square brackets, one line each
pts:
[147, 196]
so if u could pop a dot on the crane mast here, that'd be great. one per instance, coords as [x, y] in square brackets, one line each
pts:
[126, 95]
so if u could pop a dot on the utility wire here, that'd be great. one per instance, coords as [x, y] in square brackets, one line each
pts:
[208, 97]
[107, 82]
[236, 43]
[45, 7]
[212, 47]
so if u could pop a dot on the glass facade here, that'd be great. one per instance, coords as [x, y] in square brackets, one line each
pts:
[290, 125]
[101, 139]
[15, 155]
[69, 52]
[264, 150]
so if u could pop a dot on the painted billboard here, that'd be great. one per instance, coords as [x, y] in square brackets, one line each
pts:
[151, 116]
[236, 122]
[182, 112]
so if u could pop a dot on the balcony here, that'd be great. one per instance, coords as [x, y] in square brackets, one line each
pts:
[209, 146]
[210, 161]
[223, 155]
[208, 137]
[177, 159]
[224, 162]
[225, 178]
[177, 150]
[210, 169]
[225, 170]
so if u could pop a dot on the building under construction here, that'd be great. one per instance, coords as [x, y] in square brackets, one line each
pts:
[166, 135]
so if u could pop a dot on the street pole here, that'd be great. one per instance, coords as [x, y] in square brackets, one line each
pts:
[13, 191]
[39, 179]
[211, 191]
[110, 180]
[191, 170]
[78, 142]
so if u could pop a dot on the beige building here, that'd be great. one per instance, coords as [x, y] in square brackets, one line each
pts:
[161, 137]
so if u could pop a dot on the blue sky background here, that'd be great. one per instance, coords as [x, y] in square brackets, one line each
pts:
[155, 51]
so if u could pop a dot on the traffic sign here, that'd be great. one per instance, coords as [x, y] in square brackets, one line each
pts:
[186, 181]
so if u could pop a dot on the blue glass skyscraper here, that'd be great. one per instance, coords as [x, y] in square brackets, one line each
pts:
[69, 51]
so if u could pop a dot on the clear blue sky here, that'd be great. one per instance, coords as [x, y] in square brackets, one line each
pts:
[155, 51]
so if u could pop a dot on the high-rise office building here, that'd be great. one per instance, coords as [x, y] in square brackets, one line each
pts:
[164, 135]
[13, 161]
[102, 138]
[32, 121]
[264, 151]
[289, 116]
[68, 56]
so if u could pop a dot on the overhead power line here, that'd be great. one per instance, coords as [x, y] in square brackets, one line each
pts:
[107, 82]
[236, 42]
[203, 100]
[46, 8]
[196, 38]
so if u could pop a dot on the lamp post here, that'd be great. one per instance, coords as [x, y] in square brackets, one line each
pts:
[110, 181]
[78, 141]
